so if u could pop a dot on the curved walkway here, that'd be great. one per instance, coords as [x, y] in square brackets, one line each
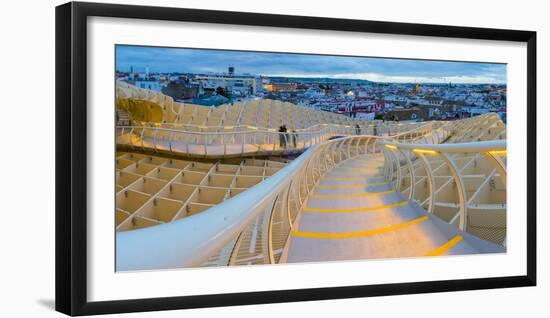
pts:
[353, 213]
[214, 150]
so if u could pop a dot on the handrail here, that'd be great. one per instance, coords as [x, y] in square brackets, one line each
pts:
[273, 205]
[376, 123]
[194, 239]
[414, 163]
[478, 146]
[314, 128]
[177, 141]
[191, 241]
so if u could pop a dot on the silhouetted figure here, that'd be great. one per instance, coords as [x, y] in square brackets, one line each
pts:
[282, 136]
[357, 129]
[375, 130]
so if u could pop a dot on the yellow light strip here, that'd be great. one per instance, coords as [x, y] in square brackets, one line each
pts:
[370, 160]
[358, 234]
[343, 179]
[228, 127]
[445, 247]
[425, 151]
[362, 166]
[355, 169]
[365, 209]
[354, 195]
[358, 173]
[352, 165]
[391, 147]
[497, 152]
[352, 185]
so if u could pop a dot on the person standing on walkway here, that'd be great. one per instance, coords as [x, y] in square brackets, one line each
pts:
[294, 137]
[357, 129]
[283, 136]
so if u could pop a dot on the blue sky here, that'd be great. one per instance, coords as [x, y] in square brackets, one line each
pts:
[301, 65]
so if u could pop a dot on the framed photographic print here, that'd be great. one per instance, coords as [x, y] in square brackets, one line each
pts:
[208, 158]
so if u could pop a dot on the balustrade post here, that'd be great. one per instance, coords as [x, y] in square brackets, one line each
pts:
[431, 181]
[155, 139]
[224, 144]
[170, 140]
[498, 164]
[463, 209]
[412, 176]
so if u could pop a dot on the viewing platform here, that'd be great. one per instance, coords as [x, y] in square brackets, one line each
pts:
[383, 190]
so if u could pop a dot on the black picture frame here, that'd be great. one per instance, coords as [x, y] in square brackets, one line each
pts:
[71, 157]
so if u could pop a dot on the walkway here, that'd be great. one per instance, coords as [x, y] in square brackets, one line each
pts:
[353, 213]
[216, 150]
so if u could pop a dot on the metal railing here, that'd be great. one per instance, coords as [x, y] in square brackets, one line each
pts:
[451, 180]
[253, 227]
[382, 127]
[249, 142]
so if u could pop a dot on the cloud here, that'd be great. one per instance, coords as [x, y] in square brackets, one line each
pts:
[307, 65]
[376, 77]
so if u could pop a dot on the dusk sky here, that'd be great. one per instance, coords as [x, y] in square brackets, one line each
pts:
[300, 65]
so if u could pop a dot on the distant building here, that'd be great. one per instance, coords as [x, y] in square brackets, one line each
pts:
[275, 87]
[181, 90]
[474, 111]
[153, 85]
[237, 85]
[408, 114]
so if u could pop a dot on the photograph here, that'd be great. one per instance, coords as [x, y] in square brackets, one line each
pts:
[240, 158]
[251, 159]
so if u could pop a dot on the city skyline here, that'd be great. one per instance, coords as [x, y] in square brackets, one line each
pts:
[376, 69]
